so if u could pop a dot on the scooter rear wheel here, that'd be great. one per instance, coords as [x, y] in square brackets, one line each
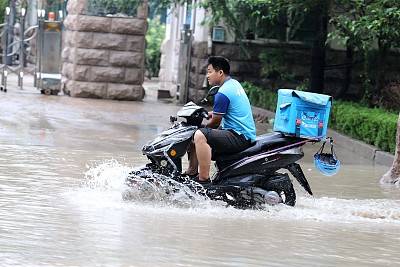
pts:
[281, 184]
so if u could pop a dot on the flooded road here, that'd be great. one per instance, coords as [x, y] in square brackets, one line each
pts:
[62, 167]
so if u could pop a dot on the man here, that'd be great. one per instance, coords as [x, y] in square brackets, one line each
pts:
[231, 113]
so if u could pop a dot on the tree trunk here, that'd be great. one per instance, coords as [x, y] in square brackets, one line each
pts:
[318, 48]
[393, 175]
[341, 92]
[380, 69]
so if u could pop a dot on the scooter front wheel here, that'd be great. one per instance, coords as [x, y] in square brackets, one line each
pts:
[281, 184]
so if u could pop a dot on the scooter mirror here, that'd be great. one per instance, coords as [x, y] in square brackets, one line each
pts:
[213, 91]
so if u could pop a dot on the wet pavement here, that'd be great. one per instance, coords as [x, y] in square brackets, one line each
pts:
[62, 167]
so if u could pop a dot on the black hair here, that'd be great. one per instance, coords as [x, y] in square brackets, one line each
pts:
[219, 63]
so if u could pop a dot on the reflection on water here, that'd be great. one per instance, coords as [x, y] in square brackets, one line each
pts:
[61, 204]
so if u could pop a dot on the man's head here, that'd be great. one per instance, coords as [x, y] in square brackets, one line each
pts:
[217, 70]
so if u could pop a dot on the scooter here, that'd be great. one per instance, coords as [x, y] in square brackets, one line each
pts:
[248, 179]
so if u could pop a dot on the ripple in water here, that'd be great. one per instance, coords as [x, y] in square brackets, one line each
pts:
[159, 191]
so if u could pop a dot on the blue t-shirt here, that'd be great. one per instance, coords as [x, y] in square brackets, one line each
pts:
[232, 103]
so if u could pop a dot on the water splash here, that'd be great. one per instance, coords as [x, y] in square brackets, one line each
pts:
[107, 181]
[109, 174]
[144, 186]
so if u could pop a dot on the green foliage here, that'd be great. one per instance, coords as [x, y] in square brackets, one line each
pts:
[304, 85]
[154, 37]
[274, 65]
[373, 126]
[260, 14]
[260, 97]
[3, 5]
[361, 25]
[369, 26]
[366, 22]
[113, 7]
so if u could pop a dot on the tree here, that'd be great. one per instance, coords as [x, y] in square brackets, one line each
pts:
[319, 47]
[270, 11]
[369, 26]
[368, 29]
[154, 37]
[3, 5]
[393, 175]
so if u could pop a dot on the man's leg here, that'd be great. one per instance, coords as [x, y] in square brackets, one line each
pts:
[193, 163]
[203, 152]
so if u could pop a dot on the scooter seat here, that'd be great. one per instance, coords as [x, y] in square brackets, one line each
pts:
[263, 143]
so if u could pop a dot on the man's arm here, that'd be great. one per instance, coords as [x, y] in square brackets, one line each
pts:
[221, 103]
[215, 121]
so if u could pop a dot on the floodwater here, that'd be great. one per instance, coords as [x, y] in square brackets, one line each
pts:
[62, 167]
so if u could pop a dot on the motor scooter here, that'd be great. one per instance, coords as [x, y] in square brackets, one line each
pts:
[246, 179]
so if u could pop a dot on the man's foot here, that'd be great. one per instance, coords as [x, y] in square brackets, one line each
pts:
[197, 180]
[191, 174]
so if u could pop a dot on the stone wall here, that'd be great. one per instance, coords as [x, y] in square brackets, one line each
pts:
[198, 70]
[103, 57]
[246, 66]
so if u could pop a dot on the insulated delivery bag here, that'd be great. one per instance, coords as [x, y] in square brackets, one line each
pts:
[302, 114]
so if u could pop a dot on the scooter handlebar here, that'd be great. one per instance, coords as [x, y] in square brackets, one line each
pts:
[205, 115]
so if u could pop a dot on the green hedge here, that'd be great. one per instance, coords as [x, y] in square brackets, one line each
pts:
[260, 97]
[373, 126]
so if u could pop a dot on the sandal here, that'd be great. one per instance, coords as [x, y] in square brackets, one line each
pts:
[191, 176]
[196, 179]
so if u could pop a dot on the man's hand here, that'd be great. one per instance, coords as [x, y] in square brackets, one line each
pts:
[215, 120]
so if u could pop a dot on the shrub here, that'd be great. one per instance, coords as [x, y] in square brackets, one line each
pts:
[260, 97]
[371, 125]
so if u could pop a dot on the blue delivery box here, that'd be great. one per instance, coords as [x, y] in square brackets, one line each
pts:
[302, 114]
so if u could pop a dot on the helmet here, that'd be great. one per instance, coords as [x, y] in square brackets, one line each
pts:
[326, 163]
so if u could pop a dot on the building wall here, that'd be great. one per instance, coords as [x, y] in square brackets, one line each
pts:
[170, 58]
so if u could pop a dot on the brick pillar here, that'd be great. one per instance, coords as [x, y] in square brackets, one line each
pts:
[103, 57]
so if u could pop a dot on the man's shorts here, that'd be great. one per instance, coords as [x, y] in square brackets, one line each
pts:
[225, 141]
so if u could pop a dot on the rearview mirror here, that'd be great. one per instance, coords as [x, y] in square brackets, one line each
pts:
[213, 91]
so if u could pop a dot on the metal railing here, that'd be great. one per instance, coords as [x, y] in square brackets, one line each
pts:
[19, 44]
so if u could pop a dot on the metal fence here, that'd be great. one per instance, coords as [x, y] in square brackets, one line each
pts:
[15, 43]
[23, 45]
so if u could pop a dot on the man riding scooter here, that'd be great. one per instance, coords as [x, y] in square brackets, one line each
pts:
[231, 128]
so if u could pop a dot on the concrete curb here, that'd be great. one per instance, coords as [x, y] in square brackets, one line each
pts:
[262, 115]
[364, 150]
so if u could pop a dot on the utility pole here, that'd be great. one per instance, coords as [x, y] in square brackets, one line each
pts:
[10, 29]
[184, 67]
